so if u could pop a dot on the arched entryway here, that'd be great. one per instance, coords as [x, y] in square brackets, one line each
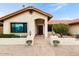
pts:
[39, 25]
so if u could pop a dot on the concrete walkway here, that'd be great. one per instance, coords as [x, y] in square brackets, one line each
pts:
[43, 47]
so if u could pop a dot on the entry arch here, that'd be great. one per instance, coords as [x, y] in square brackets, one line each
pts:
[39, 26]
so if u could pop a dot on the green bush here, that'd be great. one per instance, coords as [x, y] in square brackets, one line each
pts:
[62, 29]
[56, 42]
[9, 36]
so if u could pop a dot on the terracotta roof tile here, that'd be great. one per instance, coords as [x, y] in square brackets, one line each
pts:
[23, 10]
[64, 21]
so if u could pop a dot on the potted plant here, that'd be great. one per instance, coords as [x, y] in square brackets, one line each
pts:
[56, 42]
[29, 42]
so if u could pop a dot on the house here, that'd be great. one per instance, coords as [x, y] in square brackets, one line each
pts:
[35, 21]
[23, 21]
[73, 25]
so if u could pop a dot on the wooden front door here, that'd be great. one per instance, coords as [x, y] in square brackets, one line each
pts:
[40, 30]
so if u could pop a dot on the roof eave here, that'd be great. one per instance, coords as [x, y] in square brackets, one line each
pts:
[23, 10]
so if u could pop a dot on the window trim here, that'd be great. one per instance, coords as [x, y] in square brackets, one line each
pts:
[17, 23]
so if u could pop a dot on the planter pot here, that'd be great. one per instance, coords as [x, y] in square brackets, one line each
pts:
[29, 42]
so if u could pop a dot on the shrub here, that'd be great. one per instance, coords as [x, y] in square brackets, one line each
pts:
[29, 42]
[9, 36]
[62, 29]
[56, 42]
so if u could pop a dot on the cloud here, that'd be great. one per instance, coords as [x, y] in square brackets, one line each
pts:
[30, 4]
[67, 18]
[59, 6]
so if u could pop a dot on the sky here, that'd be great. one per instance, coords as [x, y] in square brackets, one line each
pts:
[60, 11]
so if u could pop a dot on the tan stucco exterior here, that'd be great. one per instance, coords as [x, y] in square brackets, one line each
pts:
[74, 29]
[29, 15]
[29, 19]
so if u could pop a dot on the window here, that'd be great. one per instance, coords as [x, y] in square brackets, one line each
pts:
[49, 28]
[18, 27]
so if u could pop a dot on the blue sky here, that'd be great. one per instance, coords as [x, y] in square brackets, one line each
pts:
[60, 11]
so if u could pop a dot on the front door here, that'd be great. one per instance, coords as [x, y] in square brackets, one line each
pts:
[40, 30]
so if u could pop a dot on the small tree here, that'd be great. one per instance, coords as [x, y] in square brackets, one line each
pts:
[62, 29]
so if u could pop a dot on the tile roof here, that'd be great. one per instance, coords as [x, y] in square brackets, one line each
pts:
[73, 21]
[23, 10]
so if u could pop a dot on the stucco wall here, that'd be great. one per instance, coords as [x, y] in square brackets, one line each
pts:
[64, 41]
[74, 29]
[24, 17]
[12, 41]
